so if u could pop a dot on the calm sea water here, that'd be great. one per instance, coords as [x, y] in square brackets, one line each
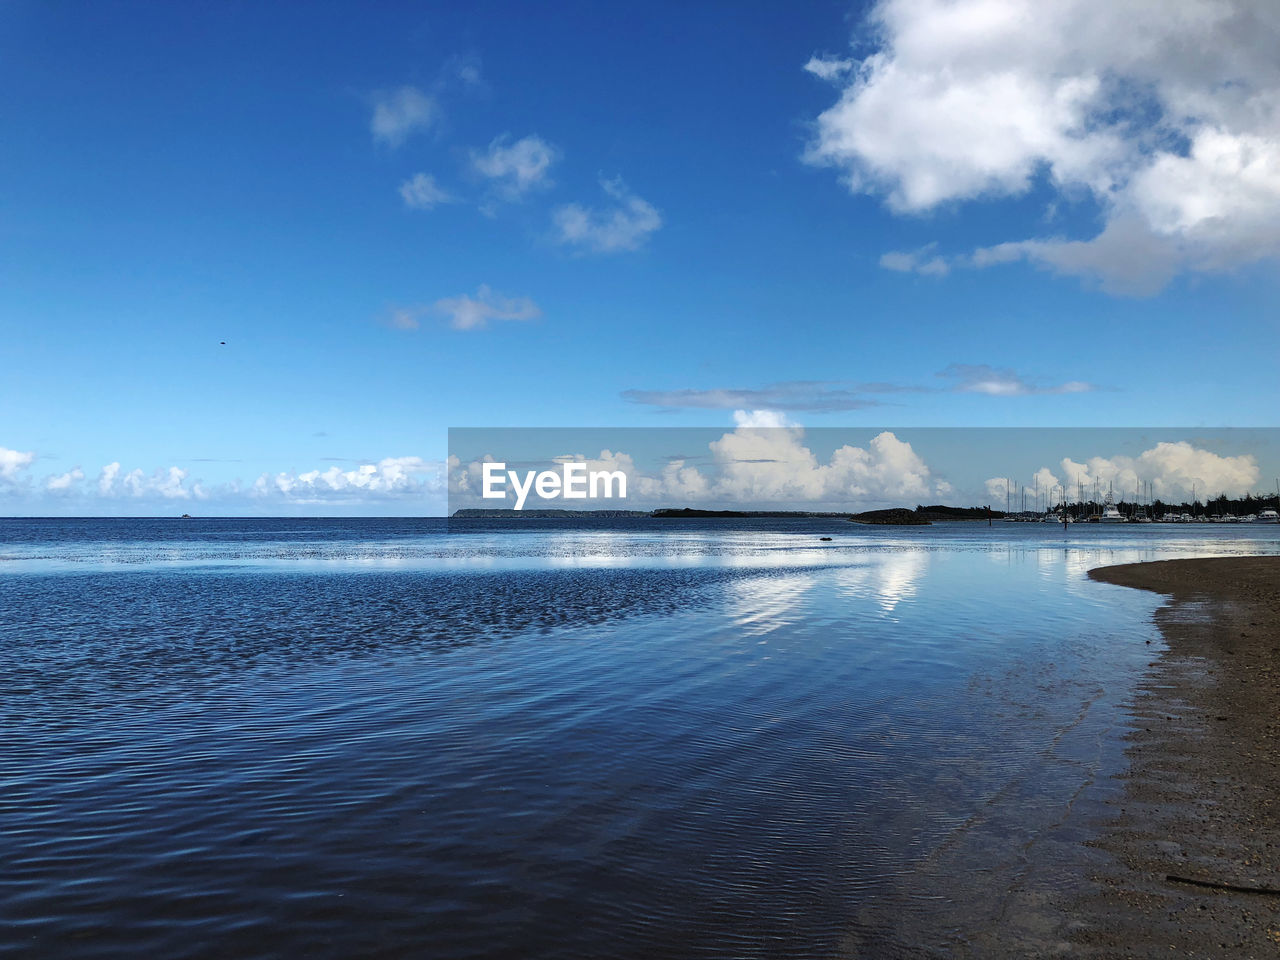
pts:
[261, 738]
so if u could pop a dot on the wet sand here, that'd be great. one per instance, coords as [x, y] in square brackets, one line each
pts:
[1199, 800]
[1202, 795]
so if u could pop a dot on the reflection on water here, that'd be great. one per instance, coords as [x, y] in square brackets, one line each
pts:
[888, 581]
[343, 738]
[759, 605]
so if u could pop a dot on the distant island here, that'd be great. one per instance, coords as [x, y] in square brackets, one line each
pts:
[923, 516]
[472, 513]
[899, 516]
[671, 513]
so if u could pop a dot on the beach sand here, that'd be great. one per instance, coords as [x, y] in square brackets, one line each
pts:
[1202, 797]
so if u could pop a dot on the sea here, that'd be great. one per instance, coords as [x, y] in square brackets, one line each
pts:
[553, 739]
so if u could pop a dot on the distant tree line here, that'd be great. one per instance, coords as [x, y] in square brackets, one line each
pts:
[1221, 505]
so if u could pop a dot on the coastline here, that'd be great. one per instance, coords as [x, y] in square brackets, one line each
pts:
[1200, 801]
[1193, 796]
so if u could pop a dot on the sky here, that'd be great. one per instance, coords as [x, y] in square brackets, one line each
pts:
[259, 258]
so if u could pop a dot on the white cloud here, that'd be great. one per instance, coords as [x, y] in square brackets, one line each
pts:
[923, 261]
[1168, 470]
[623, 226]
[389, 478]
[1173, 470]
[997, 487]
[474, 313]
[1003, 382]
[169, 484]
[465, 480]
[1040, 489]
[1165, 112]
[464, 312]
[399, 113]
[1045, 481]
[421, 192]
[13, 461]
[63, 482]
[829, 68]
[764, 460]
[516, 168]
[107, 479]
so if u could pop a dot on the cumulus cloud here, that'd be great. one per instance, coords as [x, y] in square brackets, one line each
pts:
[107, 479]
[389, 478]
[1165, 112]
[516, 168]
[764, 460]
[1003, 382]
[64, 482]
[399, 113]
[421, 192]
[1169, 470]
[12, 462]
[169, 484]
[1041, 489]
[625, 224]
[1172, 470]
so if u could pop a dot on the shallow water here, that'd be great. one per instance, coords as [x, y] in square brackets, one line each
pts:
[403, 738]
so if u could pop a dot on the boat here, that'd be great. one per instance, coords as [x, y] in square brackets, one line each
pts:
[1110, 512]
[1269, 516]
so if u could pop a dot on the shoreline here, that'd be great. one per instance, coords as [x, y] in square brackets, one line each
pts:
[1200, 801]
[1182, 784]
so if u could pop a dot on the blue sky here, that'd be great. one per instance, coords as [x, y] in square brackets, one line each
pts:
[410, 217]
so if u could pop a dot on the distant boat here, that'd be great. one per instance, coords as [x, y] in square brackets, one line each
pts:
[186, 516]
[1110, 512]
[1269, 516]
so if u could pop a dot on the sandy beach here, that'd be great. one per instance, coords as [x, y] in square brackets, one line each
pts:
[1200, 805]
